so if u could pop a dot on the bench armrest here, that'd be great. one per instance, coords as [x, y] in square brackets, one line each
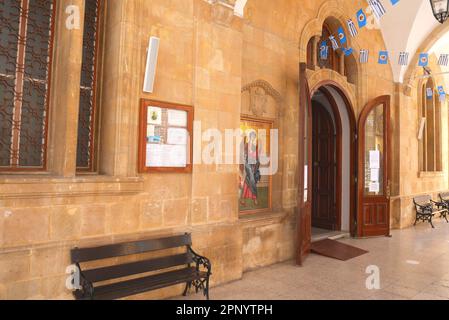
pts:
[87, 287]
[424, 207]
[201, 262]
[438, 204]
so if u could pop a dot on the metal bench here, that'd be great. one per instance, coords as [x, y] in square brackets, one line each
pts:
[187, 267]
[426, 209]
[444, 197]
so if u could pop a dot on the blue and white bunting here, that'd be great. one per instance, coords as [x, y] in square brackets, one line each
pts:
[403, 58]
[383, 57]
[324, 51]
[347, 51]
[429, 93]
[334, 43]
[352, 28]
[364, 56]
[361, 18]
[443, 60]
[378, 8]
[341, 35]
[423, 60]
[442, 93]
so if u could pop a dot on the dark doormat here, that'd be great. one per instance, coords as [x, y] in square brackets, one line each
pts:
[337, 250]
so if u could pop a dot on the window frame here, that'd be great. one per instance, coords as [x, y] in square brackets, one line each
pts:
[434, 127]
[96, 89]
[20, 61]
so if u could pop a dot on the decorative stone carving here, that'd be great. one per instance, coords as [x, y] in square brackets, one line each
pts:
[223, 11]
[259, 93]
[258, 101]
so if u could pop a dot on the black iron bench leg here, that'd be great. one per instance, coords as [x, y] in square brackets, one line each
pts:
[431, 223]
[444, 215]
[186, 290]
[206, 289]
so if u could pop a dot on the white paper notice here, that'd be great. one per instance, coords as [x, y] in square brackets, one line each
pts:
[150, 130]
[374, 159]
[306, 177]
[375, 175]
[374, 187]
[177, 118]
[177, 136]
[166, 156]
[154, 116]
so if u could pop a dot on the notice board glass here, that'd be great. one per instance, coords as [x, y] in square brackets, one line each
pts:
[165, 137]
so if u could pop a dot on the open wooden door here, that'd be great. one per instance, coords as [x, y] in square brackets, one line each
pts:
[304, 204]
[374, 158]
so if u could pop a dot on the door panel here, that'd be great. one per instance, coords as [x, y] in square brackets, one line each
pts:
[324, 209]
[374, 202]
[304, 206]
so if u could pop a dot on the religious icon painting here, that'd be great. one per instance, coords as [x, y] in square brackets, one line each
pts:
[255, 181]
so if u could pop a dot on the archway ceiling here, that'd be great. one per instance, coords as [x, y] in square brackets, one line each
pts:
[404, 28]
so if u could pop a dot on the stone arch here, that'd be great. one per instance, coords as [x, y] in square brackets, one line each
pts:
[329, 9]
[315, 79]
[412, 71]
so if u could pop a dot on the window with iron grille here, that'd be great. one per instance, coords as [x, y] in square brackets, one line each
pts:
[26, 36]
[87, 109]
[430, 147]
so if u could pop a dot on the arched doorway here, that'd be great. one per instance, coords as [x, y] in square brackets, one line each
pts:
[333, 155]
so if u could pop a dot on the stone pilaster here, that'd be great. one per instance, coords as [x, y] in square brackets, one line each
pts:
[65, 93]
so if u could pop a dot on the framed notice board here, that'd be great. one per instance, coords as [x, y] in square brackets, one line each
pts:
[165, 137]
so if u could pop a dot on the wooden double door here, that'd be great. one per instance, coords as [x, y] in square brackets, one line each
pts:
[370, 200]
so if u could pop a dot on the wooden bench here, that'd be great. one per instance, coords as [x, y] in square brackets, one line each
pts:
[426, 209]
[186, 267]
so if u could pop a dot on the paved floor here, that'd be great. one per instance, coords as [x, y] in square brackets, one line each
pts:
[413, 264]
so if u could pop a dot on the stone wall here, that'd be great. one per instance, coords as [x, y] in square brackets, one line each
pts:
[207, 56]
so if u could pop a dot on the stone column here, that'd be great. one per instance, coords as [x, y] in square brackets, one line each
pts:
[315, 46]
[65, 93]
[123, 72]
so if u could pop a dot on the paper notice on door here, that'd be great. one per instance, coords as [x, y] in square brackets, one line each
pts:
[306, 177]
[177, 118]
[374, 159]
[177, 136]
[374, 187]
[375, 175]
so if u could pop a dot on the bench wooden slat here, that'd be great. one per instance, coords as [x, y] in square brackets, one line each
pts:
[136, 286]
[130, 248]
[422, 200]
[129, 269]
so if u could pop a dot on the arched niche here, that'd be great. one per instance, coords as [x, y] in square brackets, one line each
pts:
[331, 14]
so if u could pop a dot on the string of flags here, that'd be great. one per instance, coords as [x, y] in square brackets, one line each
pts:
[340, 41]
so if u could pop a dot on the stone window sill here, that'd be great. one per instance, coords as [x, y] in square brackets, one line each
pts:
[263, 218]
[431, 174]
[45, 186]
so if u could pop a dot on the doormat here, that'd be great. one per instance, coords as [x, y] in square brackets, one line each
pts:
[337, 250]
